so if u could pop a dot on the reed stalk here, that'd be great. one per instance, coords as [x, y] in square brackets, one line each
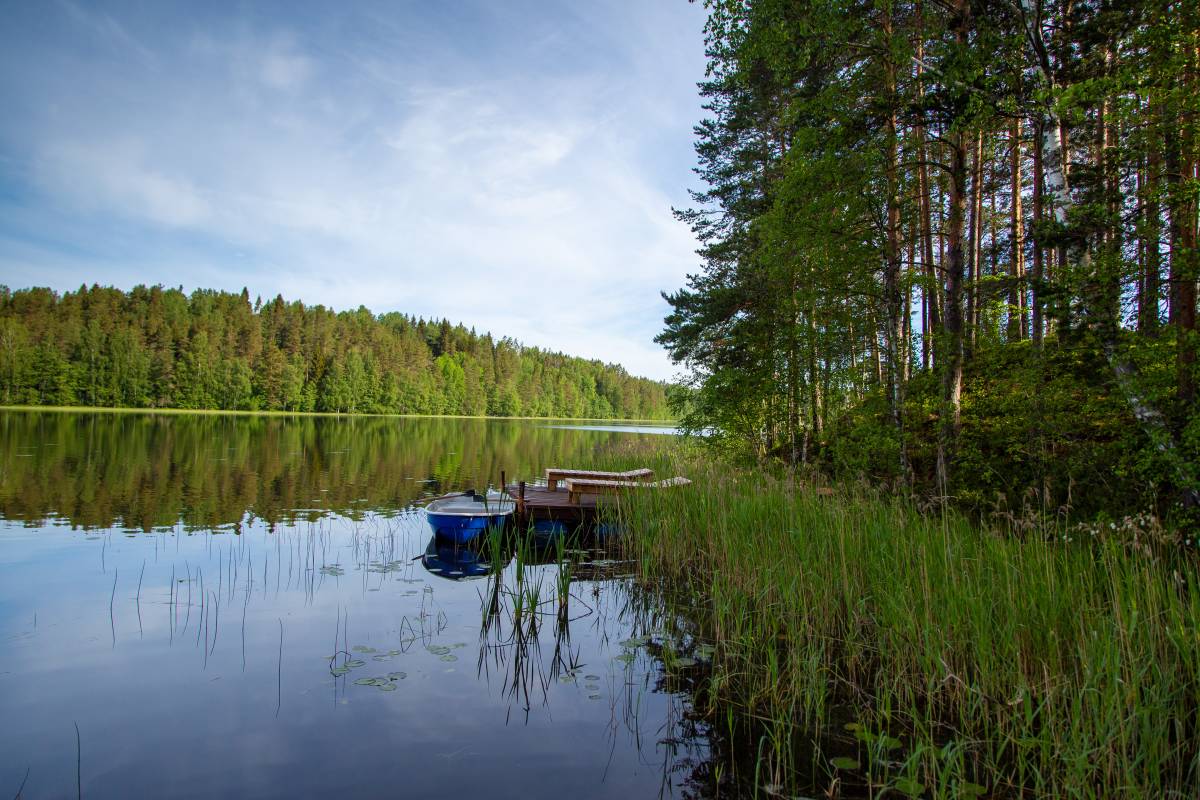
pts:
[932, 650]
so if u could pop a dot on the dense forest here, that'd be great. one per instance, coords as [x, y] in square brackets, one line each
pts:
[160, 348]
[952, 245]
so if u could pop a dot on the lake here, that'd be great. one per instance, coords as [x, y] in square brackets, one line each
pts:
[214, 605]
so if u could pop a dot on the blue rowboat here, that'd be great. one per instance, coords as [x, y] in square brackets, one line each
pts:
[461, 517]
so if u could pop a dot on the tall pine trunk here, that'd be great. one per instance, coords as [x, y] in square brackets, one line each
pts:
[1039, 253]
[1017, 322]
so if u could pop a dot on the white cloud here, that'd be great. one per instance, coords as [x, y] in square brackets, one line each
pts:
[114, 176]
[282, 67]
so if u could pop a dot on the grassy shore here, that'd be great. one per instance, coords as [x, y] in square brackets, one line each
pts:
[335, 414]
[928, 655]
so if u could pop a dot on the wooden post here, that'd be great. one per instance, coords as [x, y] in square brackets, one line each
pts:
[521, 497]
[503, 482]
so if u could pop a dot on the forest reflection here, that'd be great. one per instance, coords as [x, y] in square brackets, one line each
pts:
[145, 471]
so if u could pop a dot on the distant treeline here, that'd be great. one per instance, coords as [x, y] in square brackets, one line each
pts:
[153, 347]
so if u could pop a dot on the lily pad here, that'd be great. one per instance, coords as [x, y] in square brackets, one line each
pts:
[355, 662]
[383, 657]
[339, 671]
[449, 657]
[362, 648]
[889, 742]
[591, 677]
[627, 658]
[968, 789]
[438, 650]
[365, 682]
[591, 687]
[595, 697]
[397, 676]
[635, 641]
[387, 687]
[683, 662]
[909, 787]
[843, 762]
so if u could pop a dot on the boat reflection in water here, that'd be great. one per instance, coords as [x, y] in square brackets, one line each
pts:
[448, 559]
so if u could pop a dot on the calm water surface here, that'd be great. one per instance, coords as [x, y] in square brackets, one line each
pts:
[240, 606]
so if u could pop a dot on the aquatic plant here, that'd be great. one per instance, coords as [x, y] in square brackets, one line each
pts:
[1036, 663]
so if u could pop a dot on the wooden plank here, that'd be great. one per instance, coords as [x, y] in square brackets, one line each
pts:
[577, 487]
[553, 475]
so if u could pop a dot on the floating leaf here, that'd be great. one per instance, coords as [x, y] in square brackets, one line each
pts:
[591, 677]
[889, 742]
[595, 697]
[968, 789]
[384, 657]
[628, 658]
[842, 762]
[438, 650]
[397, 676]
[591, 687]
[683, 663]
[853, 727]
[449, 657]
[355, 662]
[635, 642]
[362, 648]
[909, 787]
[339, 671]
[365, 682]
[387, 687]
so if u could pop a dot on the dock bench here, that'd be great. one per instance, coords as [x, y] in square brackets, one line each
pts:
[577, 487]
[553, 476]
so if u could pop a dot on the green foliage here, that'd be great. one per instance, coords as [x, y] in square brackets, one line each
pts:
[886, 288]
[1047, 432]
[159, 348]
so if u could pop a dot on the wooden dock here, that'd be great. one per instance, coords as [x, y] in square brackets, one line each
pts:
[575, 502]
[541, 503]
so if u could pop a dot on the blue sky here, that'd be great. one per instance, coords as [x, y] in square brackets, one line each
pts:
[510, 165]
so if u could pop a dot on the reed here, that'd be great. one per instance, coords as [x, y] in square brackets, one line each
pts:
[943, 657]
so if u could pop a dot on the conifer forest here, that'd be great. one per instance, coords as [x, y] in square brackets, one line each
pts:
[160, 348]
[951, 245]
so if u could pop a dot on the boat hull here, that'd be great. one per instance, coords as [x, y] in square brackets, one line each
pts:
[460, 529]
[462, 518]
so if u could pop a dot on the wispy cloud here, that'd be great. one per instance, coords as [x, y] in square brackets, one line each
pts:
[403, 162]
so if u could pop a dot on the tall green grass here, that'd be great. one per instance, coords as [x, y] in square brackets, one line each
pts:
[1035, 665]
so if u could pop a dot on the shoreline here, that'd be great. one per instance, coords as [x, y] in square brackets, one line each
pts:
[336, 414]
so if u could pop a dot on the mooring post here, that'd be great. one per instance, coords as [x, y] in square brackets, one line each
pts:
[503, 483]
[521, 496]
